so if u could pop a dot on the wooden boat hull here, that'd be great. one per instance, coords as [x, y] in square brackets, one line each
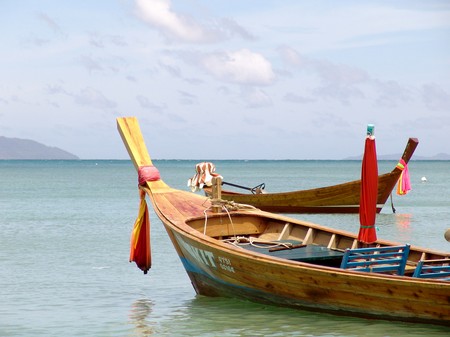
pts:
[218, 270]
[207, 243]
[341, 198]
[310, 288]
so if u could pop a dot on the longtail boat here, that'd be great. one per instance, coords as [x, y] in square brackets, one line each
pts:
[340, 198]
[239, 251]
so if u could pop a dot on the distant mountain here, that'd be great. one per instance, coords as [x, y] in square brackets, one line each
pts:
[439, 156]
[15, 148]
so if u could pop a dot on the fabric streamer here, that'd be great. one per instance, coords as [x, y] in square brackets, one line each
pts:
[140, 250]
[404, 183]
[369, 191]
[140, 239]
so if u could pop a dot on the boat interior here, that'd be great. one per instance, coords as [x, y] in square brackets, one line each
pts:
[313, 244]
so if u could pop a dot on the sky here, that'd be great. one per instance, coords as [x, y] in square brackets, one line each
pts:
[212, 79]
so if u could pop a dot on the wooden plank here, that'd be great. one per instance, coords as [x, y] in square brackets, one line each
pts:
[131, 134]
[285, 232]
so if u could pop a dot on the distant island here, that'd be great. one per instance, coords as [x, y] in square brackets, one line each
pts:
[15, 148]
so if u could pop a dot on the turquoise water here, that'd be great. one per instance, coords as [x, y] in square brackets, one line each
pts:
[64, 245]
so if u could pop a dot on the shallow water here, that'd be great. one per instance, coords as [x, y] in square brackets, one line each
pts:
[64, 246]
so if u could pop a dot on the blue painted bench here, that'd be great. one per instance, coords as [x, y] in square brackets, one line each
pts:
[387, 259]
[436, 269]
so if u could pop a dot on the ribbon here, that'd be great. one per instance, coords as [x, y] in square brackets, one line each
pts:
[148, 173]
[404, 183]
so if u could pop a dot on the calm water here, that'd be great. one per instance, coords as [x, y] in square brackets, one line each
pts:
[64, 245]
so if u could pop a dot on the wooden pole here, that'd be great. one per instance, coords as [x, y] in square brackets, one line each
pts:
[216, 194]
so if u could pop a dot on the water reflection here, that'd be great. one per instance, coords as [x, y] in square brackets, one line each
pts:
[140, 311]
[403, 221]
[205, 316]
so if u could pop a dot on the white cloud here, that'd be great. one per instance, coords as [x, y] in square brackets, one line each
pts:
[256, 98]
[184, 28]
[242, 66]
[159, 14]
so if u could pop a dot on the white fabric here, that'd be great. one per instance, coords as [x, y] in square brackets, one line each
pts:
[205, 171]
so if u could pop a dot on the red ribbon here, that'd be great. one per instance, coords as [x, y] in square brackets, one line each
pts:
[148, 173]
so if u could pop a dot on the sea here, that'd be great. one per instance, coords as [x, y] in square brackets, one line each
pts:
[65, 237]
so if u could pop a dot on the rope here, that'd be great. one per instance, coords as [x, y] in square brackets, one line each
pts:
[206, 218]
[227, 206]
[230, 205]
[239, 241]
[392, 205]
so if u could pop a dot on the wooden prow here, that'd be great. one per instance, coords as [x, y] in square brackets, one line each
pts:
[409, 150]
[134, 141]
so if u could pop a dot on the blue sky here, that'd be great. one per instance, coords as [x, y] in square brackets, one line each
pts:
[227, 79]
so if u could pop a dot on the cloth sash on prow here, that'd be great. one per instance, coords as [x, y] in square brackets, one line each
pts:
[140, 250]
[204, 173]
[404, 183]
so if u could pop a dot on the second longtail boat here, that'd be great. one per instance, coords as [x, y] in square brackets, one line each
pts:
[340, 198]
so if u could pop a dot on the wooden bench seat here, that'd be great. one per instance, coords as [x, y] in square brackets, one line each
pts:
[436, 269]
[387, 259]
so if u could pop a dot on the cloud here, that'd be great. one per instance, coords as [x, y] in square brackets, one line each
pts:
[87, 96]
[336, 81]
[102, 64]
[36, 41]
[187, 98]
[90, 63]
[159, 14]
[353, 24]
[295, 98]
[391, 93]
[345, 83]
[328, 72]
[341, 93]
[290, 56]
[171, 69]
[51, 23]
[256, 98]
[184, 28]
[145, 103]
[100, 41]
[56, 89]
[435, 97]
[242, 66]
[230, 28]
[93, 98]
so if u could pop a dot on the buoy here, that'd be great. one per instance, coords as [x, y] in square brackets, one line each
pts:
[424, 179]
[447, 235]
